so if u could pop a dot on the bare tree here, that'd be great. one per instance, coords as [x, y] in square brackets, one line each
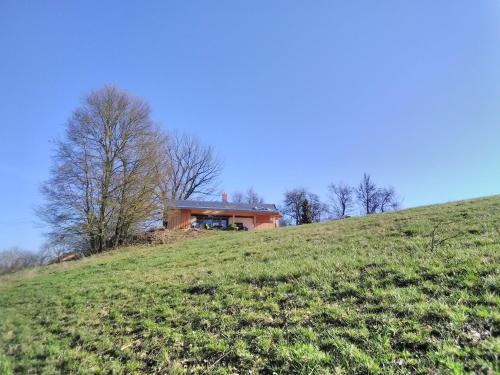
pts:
[250, 197]
[104, 173]
[15, 259]
[194, 167]
[342, 199]
[237, 197]
[318, 208]
[294, 203]
[388, 199]
[52, 251]
[368, 195]
[373, 199]
[190, 169]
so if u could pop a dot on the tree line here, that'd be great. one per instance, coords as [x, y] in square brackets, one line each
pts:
[302, 207]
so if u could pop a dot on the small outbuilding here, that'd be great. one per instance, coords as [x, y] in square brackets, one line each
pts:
[184, 214]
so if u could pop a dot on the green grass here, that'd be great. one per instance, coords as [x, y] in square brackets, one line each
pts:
[362, 295]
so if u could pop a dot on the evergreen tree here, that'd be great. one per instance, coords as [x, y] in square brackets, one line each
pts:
[307, 214]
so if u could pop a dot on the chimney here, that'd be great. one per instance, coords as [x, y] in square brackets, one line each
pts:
[224, 197]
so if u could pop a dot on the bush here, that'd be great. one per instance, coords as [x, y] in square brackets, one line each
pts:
[232, 227]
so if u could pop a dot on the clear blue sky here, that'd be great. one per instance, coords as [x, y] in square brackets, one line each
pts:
[291, 93]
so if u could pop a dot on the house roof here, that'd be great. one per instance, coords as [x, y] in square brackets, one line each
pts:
[223, 206]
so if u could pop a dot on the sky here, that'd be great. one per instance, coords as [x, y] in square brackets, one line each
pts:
[289, 93]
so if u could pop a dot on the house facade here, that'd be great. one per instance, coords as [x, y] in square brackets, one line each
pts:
[184, 214]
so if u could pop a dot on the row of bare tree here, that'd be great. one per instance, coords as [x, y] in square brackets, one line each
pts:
[367, 195]
[115, 171]
[15, 259]
[250, 197]
[301, 206]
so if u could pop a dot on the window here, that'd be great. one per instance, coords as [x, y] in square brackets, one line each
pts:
[215, 222]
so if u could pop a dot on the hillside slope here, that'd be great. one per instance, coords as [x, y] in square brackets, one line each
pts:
[361, 295]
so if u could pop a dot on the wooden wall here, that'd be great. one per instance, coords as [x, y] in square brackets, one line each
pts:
[179, 219]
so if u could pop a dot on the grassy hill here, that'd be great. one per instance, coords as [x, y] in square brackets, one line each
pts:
[361, 295]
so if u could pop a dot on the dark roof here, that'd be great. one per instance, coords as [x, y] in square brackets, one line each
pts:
[223, 206]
